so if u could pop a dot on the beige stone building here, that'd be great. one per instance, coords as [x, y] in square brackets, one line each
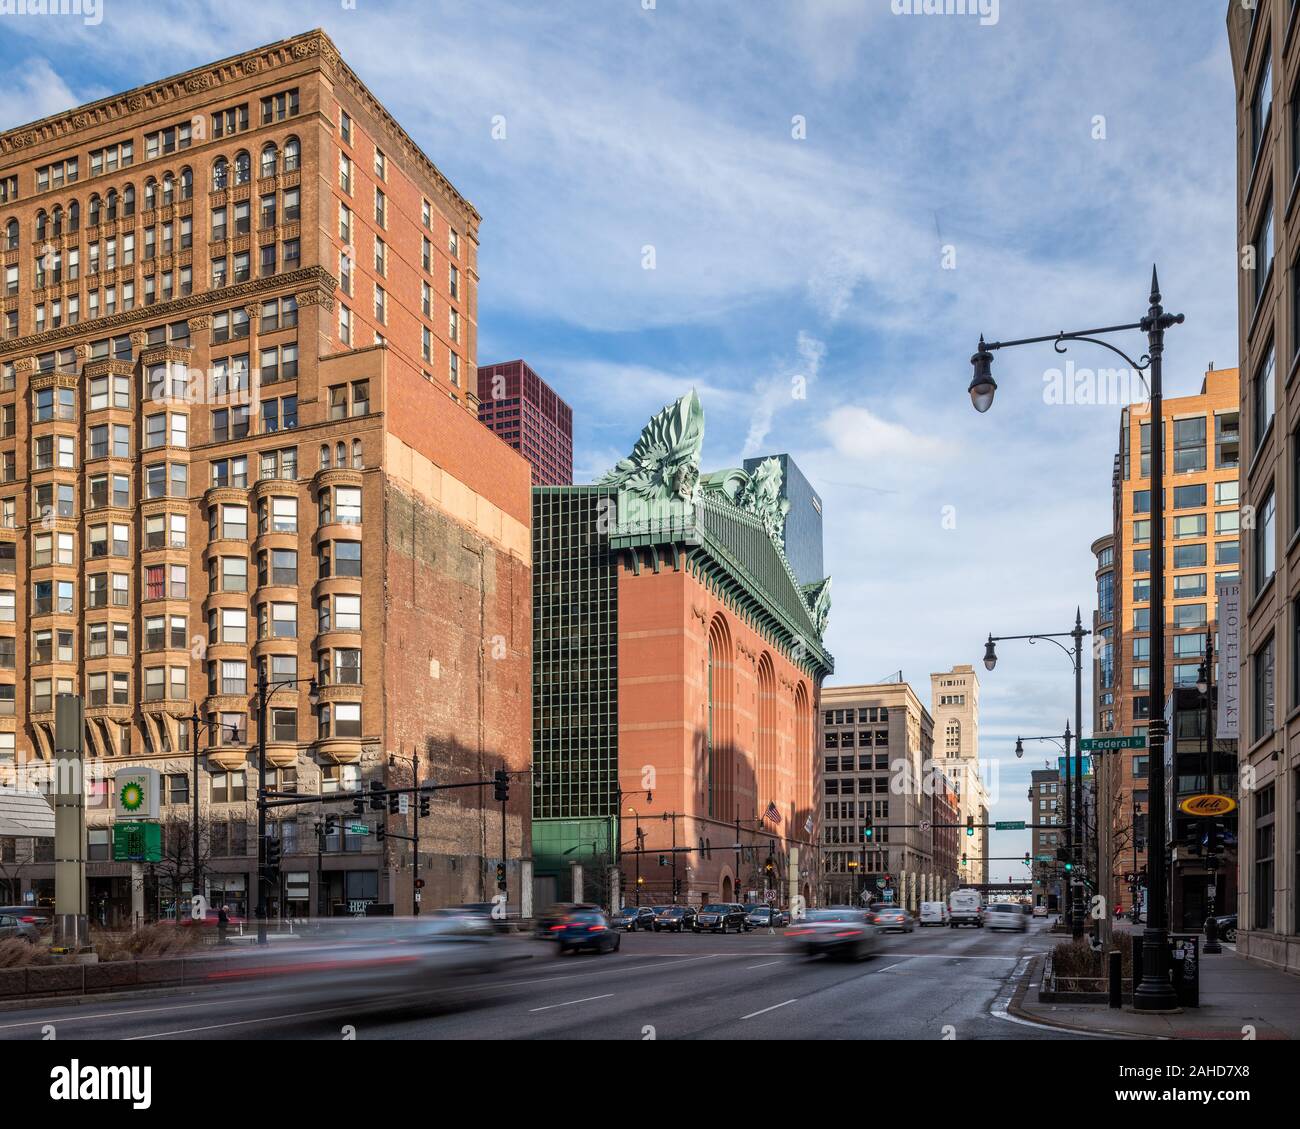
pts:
[877, 758]
[955, 706]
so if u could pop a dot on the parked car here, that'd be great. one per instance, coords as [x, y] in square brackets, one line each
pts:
[11, 927]
[587, 930]
[744, 920]
[675, 919]
[1040, 911]
[550, 922]
[764, 917]
[1005, 915]
[934, 913]
[965, 907]
[1227, 927]
[892, 917]
[720, 917]
[839, 931]
[632, 918]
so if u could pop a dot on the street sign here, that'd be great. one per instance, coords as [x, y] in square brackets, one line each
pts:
[880, 883]
[925, 825]
[1067, 770]
[1044, 858]
[1111, 744]
[358, 829]
[136, 794]
[1207, 804]
[1009, 825]
[403, 804]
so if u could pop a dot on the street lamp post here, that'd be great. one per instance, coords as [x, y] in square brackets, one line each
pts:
[1074, 837]
[1156, 991]
[1069, 914]
[264, 691]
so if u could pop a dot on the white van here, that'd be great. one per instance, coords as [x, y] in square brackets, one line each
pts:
[966, 907]
[934, 913]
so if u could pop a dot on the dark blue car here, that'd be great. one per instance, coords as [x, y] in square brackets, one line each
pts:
[586, 931]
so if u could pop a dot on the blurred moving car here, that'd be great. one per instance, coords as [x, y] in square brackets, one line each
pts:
[588, 931]
[840, 931]
[632, 918]
[675, 919]
[965, 907]
[934, 913]
[211, 918]
[1005, 915]
[1227, 927]
[547, 923]
[720, 917]
[1040, 911]
[489, 913]
[15, 927]
[892, 917]
[40, 916]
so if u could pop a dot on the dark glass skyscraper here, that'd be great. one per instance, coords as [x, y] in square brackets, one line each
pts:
[803, 522]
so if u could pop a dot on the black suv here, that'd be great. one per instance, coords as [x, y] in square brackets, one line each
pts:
[633, 918]
[721, 917]
[676, 919]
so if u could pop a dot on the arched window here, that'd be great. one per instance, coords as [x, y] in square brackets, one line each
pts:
[220, 174]
[150, 194]
[95, 206]
[74, 216]
[324, 456]
[41, 221]
[57, 218]
[11, 235]
[292, 154]
[357, 462]
[340, 454]
[270, 156]
[128, 200]
[110, 204]
[243, 167]
[187, 183]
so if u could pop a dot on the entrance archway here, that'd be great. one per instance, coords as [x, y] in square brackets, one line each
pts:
[726, 888]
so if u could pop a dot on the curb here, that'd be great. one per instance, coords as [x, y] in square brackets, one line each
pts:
[1015, 1008]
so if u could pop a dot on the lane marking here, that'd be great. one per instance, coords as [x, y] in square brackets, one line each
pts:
[999, 1008]
[570, 1003]
[767, 1009]
[767, 964]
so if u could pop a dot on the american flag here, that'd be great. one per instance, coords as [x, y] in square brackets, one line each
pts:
[772, 813]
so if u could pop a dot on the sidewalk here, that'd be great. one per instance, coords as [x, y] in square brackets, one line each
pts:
[1235, 994]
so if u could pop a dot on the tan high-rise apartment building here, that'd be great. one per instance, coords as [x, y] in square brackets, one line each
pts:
[238, 432]
[1265, 50]
[877, 750]
[955, 706]
[1202, 508]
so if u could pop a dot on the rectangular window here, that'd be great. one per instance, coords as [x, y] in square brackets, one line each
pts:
[1265, 543]
[1262, 690]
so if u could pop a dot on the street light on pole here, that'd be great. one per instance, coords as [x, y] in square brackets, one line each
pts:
[1156, 991]
[1073, 914]
[264, 691]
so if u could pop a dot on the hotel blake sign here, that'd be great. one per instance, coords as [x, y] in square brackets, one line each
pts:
[1229, 680]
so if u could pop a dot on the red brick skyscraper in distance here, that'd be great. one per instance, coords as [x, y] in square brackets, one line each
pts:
[520, 407]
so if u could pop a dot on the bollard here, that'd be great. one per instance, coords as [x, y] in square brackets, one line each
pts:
[1137, 958]
[1116, 959]
[1212, 935]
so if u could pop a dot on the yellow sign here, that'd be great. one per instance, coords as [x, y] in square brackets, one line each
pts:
[1208, 804]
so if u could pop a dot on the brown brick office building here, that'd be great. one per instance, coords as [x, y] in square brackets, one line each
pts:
[237, 428]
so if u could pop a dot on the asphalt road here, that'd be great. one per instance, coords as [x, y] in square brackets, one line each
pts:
[931, 984]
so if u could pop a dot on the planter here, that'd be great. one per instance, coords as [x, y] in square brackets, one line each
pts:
[1077, 989]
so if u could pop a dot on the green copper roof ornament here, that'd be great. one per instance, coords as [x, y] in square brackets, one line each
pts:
[818, 597]
[666, 459]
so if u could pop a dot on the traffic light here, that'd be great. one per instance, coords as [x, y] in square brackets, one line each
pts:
[358, 807]
[272, 853]
[501, 876]
[332, 823]
[769, 867]
[1028, 861]
[394, 803]
[663, 860]
[970, 825]
[376, 797]
[424, 804]
[869, 827]
[381, 832]
[501, 787]
[963, 858]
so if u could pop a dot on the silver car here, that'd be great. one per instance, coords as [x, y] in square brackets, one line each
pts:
[889, 917]
[1006, 915]
[12, 926]
[840, 931]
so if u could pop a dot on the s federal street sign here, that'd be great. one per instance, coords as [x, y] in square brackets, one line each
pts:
[1110, 744]
[1009, 825]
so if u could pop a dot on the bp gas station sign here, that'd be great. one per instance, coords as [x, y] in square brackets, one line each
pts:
[136, 794]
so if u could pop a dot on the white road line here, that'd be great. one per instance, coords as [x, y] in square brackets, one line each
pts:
[1003, 1001]
[768, 964]
[766, 1010]
[54, 1017]
[570, 1003]
[889, 966]
[236, 1023]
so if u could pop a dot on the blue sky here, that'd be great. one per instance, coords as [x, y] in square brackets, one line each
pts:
[819, 257]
